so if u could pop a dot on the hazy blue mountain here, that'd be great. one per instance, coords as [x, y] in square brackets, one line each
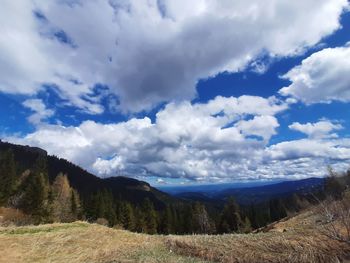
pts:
[246, 193]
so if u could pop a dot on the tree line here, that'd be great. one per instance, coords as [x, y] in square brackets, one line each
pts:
[56, 201]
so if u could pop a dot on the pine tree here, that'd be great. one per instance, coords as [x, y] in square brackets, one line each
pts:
[128, 217]
[277, 210]
[230, 217]
[35, 198]
[246, 227]
[187, 219]
[167, 221]
[150, 216]
[40, 168]
[7, 176]
[109, 208]
[141, 224]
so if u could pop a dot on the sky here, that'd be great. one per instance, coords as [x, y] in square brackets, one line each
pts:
[177, 91]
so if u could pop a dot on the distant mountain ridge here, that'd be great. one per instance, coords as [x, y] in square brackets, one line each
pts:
[254, 194]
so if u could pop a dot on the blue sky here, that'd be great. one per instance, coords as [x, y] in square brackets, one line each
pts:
[177, 93]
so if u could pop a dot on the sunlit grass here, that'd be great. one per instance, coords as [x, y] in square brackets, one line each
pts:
[297, 239]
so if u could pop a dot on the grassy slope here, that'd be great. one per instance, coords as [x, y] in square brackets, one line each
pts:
[294, 240]
[82, 242]
[298, 239]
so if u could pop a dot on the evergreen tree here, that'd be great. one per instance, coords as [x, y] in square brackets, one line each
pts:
[40, 168]
[102, 205]
[150, 216]
[187, 219]
[128, 217]
[176, 219]
[230, 217]
[246, 227]
[167, 223]
[141, 224]
[277, 210]
[7, 176]
[35, 198]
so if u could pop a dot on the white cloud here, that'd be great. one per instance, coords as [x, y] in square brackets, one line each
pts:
[40, 111]
[195, 141]
[311, 148]
[148, 51]
[319, 129]
[263, 126]
[322, 77]
[224, 139]
[108, 167]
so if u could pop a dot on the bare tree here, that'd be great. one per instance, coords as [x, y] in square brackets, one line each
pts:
[336, 217]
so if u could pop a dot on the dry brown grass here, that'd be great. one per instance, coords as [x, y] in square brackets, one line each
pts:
[298, 239]
[262, 247]
[82, 242]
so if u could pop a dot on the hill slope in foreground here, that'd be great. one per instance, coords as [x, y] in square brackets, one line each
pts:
[297, 239]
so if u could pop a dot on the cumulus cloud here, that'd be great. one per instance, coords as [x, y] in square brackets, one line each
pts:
[195, 141]
[222, 140]
[332, 149]
[322, 77]
[148, 52]
[319, 129]
[40, 111]
[264, 126]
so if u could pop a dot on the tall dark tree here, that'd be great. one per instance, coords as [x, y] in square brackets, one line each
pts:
[140, 221]
[277, 209]
[128, 217]
[7, 176]
[166, 225]
[150, 215]
[35, 198]
[230, 220]
[101, 205]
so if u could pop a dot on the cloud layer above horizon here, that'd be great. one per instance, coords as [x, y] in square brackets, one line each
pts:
[132, 56]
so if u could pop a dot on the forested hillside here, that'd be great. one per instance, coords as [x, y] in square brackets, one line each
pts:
[39, 188]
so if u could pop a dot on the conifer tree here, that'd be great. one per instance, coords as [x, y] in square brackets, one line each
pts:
[246, 227]
[35, 198]
[40, 168]
[141, 224]
[7, 176]
[128, 217]
[230, 217]
[150, 216]
[277, 210]
[167, 222]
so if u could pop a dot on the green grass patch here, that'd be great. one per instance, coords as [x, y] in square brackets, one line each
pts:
[42, 229]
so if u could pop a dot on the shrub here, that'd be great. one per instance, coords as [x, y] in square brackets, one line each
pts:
[336, 214]
[102, 221]
[11, 216]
